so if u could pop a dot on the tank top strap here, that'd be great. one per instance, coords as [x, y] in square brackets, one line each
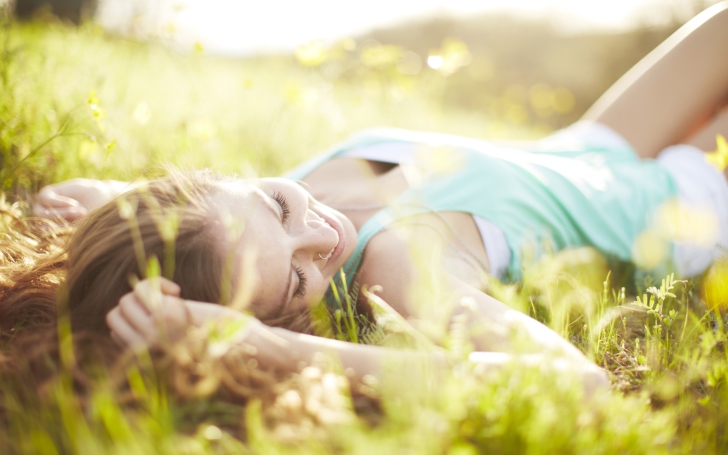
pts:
[343, 282]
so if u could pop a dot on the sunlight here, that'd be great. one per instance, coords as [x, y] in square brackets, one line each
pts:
[235, 27]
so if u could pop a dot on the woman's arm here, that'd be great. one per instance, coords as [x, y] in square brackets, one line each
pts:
[494, 326]
[291, 351]
[154, 311]
[71, 199]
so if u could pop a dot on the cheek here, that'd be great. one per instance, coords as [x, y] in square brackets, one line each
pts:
[314, 294]
[265, 311]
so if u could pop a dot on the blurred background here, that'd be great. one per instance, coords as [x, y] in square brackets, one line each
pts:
[119, 85]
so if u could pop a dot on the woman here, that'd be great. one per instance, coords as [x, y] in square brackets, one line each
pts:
[281, 247]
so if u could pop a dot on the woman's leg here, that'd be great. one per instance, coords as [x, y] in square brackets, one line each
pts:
[661, 99]
[705, 139]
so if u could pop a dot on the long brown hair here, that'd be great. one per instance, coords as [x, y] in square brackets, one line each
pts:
[90, 267]
[166, 219]
[84, 271]
[48, 270]
[32, 267]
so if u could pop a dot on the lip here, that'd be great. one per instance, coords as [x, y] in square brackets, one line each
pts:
[341, 245]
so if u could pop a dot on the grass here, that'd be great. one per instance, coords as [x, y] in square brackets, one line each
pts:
[116, 107]
[75, 102]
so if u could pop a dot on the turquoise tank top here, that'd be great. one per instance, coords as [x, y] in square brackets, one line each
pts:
[541, 200]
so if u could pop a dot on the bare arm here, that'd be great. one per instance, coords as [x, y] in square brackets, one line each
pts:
[290, 351]
[134, 322]
[74, 198]
[495, 326]
[154, 312]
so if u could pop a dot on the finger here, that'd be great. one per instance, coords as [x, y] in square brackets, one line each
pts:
[49, 197]
[54, 213]
[130, 298]
[169, 287]
[118, 340]
[151, 290]
[136, 315]
[149, 293]
[175, 318]
[124, 332]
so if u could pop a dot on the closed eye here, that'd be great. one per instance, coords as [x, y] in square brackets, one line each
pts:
[301, 289]
[281, 200]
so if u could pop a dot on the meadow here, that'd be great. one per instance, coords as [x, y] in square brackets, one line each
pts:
[78, 102]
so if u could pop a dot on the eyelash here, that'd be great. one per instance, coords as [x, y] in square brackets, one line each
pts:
[281, 200]
[301, 291]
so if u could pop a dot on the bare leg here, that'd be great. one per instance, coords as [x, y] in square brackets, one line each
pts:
[705, 138]
[661, 99]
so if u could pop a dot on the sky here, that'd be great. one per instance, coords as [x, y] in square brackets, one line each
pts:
[255, 26]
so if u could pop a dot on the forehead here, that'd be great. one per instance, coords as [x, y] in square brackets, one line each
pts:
[235, 200]
[238, 208]
[233, 191]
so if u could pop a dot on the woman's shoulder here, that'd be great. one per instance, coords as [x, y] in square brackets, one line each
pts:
[387, 263]
[400, 257]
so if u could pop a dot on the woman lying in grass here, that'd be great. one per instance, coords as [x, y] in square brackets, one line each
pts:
[274, 246]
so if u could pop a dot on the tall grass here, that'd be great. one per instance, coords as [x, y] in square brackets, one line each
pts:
[75, 102]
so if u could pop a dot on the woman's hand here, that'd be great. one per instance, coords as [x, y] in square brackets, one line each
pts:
[74, 198]
[153, 311]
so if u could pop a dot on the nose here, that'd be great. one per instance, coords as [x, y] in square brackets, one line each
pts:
[317, 238]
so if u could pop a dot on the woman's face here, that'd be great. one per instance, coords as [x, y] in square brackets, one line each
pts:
[290, 246]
